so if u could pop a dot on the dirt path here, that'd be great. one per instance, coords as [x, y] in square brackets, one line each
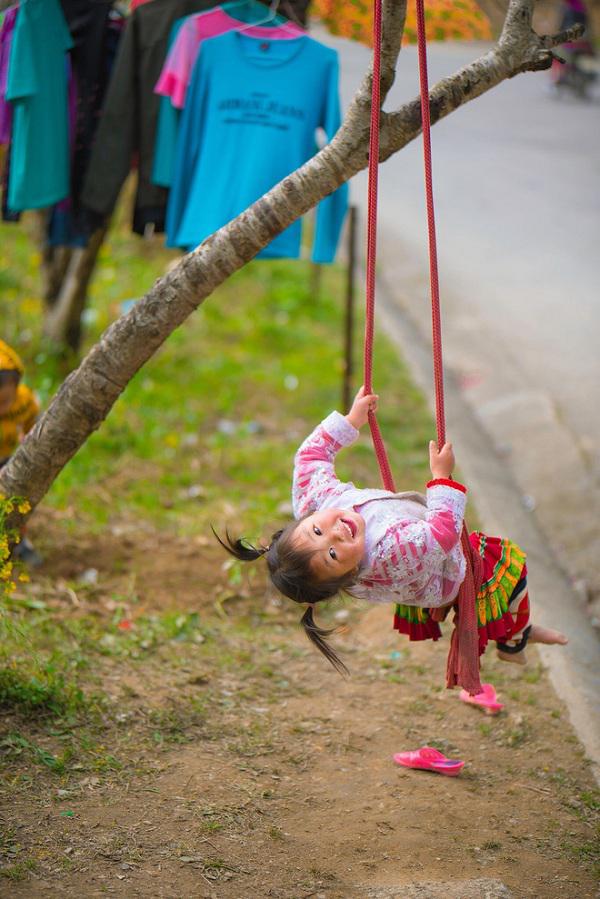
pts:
[248, 769]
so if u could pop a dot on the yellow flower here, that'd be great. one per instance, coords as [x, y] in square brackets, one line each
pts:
[24, 578]
[24, 507]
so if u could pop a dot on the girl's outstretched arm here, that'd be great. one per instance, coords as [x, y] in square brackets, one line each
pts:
[315, 480]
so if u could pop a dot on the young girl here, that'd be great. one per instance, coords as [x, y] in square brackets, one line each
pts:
[390, 547]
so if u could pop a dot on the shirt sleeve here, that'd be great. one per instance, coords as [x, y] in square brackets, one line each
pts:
[314, 478]
[413, 546]
[21, 80]
[176, 72]
[332, 210]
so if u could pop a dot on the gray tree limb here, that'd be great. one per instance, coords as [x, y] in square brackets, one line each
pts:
[88, 394]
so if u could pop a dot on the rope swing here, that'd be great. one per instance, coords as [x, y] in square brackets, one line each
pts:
[463, 658]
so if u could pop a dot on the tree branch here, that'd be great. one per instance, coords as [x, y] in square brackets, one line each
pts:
[519, 49]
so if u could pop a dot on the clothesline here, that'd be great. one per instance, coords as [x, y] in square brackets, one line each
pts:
[211, 108]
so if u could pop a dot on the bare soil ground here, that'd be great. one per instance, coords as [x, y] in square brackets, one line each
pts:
[248, 768]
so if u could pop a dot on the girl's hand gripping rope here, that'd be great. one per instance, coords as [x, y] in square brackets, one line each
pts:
[441, 462]
[362, 405]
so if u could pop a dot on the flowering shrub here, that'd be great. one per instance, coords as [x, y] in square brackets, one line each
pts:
[445, 20]
[8, 536]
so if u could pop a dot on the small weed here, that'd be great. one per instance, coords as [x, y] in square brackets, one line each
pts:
[395, 678]
[518, 735]
[323, 876]
[44, 692]
[212, 826]
[174, 724]
[15, 744]
[19, 871]
[534, 675]
[276, 833]
[588, 852]
[491, 845]
[591, 799]
[485, 729]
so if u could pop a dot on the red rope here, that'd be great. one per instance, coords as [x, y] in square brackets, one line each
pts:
[438, 370]
[378, 444]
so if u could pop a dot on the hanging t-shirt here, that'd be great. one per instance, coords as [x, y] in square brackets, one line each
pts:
[185, 40]
[37, 88]
[251, 114]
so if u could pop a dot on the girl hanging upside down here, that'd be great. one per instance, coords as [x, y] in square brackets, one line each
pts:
[391, 547]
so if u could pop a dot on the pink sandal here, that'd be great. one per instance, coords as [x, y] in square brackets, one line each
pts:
[486, 700]
[429, 759]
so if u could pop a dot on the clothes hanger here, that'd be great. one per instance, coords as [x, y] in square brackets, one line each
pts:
[270, 19]
[253, 6]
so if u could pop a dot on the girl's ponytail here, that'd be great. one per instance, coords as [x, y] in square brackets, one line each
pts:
[290, 571]
[240, 549]
[316, 634]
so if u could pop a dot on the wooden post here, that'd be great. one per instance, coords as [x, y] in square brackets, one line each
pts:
[349, 317]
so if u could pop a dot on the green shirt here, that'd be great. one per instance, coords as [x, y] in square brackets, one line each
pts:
[37, 88]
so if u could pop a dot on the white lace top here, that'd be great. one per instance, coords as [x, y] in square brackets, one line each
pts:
[412, 543]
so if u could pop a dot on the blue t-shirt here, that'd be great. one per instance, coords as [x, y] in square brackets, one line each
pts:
[252, 111]
[37, 88]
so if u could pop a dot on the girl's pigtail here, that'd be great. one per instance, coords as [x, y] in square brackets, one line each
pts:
[316, 635]
[240, 549]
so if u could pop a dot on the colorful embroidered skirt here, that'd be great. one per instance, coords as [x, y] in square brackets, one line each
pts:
[502, 599]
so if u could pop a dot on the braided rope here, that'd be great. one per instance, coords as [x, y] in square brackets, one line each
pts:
[438, 369]
[378, 444]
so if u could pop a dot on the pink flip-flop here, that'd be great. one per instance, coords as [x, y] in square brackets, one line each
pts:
[429, 759]
[486, 700]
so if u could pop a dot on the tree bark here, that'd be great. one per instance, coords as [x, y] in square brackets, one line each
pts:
[88, 394]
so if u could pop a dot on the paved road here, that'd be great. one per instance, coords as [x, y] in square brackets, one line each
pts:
[517, 184]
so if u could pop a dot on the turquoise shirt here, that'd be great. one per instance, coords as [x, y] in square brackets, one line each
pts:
[37, 88]
[252, 111]
[166, 129]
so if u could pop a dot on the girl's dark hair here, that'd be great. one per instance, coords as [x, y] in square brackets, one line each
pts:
[290, 570]
[9, 376]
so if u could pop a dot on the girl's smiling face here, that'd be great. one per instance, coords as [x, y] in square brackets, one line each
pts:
[336, 538]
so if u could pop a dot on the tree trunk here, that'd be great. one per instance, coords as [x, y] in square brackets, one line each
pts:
[70, 271]
[88, 394]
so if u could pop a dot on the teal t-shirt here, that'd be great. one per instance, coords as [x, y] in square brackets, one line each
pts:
[252, 110]
[166, 129]
[37, 88]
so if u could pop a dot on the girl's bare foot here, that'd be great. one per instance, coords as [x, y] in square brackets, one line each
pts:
[546, 635]
[517, 658]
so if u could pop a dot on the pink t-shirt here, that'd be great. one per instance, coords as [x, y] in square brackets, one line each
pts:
[177, 70]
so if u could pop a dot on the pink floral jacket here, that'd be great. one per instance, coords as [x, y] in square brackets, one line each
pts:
[412, 543]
